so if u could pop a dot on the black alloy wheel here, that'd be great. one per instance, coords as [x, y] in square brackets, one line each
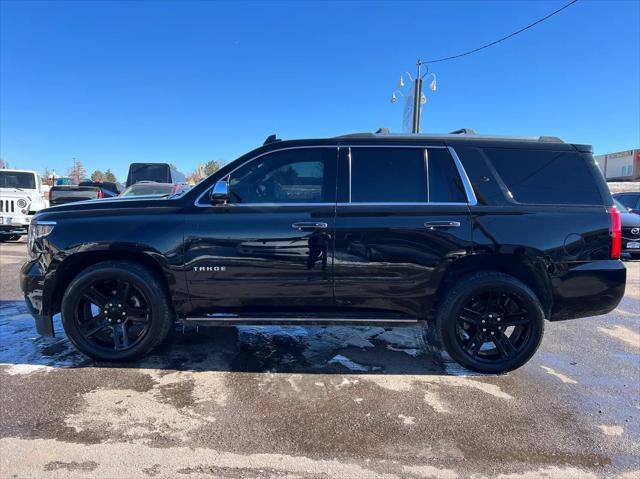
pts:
[113, 314]
[490, 322]
[116, 311]
[493, 326]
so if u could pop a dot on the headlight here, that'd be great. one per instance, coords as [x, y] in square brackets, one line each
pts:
[21, 203]
[37, 230]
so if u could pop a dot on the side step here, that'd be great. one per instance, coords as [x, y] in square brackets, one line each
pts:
[235, 320]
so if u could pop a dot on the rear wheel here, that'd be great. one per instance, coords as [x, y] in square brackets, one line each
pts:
[490, 322]
[116, 311]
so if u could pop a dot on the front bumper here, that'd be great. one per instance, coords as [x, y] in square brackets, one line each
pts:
[11, 230]
[588, 289]
[626, 240]
[32, 283]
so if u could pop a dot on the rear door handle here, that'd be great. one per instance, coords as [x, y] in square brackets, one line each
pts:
[304, 226]
[442, 224]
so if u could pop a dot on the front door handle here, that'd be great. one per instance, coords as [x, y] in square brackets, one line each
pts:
[442, 224]
[305, 226]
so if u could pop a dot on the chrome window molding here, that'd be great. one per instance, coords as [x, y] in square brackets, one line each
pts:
[466, 183]
[399, 203]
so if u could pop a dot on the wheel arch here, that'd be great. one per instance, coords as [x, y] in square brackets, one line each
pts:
[73, 265]
[533, 272]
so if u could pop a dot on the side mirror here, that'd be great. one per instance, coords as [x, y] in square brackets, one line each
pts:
[220, 192]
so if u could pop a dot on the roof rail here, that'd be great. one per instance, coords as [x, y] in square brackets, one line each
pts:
[271, 139]
[463, 131]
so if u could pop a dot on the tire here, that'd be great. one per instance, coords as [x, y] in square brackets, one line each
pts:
[490, 322]
[138, 316]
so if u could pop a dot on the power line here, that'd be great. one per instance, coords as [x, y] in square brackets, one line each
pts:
[503, 38]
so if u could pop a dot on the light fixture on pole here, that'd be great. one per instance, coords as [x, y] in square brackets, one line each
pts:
[419, 98]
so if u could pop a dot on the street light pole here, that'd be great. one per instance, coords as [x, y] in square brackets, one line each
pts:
[417, 96]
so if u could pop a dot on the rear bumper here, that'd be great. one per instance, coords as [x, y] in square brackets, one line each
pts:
[32, 283]
[588, 289]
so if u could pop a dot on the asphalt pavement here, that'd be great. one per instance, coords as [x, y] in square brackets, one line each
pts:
[313, 402]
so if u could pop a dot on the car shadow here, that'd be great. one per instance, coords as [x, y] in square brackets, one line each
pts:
[283, 349]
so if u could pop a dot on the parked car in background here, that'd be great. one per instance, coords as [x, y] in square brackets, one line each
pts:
[86, 190]
[477, 238]
[631, 201]
[21, 196]
[630, 230]
[152, 188]
[156, 172]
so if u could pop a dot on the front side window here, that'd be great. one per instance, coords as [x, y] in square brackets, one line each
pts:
[288, 176]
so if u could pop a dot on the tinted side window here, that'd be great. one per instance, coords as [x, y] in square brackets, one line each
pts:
[445, 185]
[388, 175]
[288, 176]
[546, 177]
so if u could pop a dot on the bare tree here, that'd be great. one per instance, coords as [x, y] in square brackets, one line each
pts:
[77, 173]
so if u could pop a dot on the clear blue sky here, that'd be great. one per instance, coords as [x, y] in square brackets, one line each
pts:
[185, 82]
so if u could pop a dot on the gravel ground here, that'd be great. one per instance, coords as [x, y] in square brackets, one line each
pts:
[335, 402]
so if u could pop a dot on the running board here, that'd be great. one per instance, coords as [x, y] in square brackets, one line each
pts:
[232, 320]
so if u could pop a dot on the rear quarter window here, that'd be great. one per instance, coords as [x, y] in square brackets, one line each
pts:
[545, 177]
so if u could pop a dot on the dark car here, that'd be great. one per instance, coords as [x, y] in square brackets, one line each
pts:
[630, 231]
[477, 238]
[85, 190]
[153, 188]
[155, 172]
[631, 201]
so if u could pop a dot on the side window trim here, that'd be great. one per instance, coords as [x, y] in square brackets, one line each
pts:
[471, 197]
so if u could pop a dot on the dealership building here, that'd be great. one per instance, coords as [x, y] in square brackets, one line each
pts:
[620, 166]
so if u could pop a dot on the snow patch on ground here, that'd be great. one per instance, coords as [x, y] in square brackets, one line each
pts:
[347, 363]
[560, 376]
[623, 334]
[612, 430]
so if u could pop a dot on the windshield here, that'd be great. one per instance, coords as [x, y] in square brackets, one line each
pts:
[17, 179]
[154, 189]
[621, 208]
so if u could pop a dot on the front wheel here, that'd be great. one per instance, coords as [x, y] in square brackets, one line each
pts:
[490, 322]
[116, 311]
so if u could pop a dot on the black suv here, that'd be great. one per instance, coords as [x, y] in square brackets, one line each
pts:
[478, 238]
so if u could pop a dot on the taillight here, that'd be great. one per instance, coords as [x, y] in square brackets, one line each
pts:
[616, 232]
[100, 194]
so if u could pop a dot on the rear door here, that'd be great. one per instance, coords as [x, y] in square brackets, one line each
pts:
[402, 217]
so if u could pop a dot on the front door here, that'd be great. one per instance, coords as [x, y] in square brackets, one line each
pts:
[402, 217]
[269, 250]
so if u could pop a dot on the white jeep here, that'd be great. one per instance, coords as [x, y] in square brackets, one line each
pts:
[21, 195]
